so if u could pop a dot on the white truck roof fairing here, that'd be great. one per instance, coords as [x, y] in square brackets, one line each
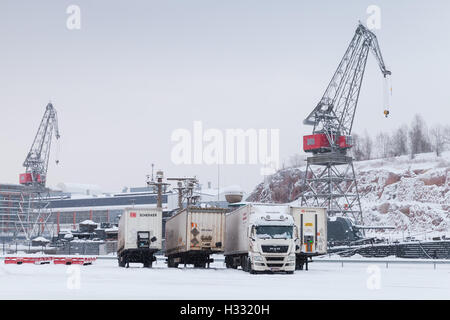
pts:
[271, 215]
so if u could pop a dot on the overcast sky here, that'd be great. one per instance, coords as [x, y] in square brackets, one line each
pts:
[138, 70]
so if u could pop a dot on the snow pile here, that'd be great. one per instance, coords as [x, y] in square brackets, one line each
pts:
[411, 194]
[40, 239]
[88, 222]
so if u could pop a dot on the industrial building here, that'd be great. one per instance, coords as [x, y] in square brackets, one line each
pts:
[14, 200]
[68, 210]
[64, 210]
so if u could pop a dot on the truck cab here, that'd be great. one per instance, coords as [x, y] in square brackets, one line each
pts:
[273, 243]
[261, 238]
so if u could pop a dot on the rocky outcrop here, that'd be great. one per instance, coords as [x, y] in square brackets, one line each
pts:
[412, 195]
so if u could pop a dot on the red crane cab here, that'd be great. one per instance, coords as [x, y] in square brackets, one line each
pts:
[26, 178]
[319, 142]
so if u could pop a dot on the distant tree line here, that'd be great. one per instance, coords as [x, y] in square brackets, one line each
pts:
[405, 140]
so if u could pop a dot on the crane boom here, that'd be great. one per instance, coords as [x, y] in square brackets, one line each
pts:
[36, 162]
[335, 112]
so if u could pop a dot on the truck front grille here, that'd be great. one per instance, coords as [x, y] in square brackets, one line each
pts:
[275, 249]
[274, 258]
[274, 265]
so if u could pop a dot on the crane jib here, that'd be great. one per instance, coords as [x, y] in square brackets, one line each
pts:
[342, 93]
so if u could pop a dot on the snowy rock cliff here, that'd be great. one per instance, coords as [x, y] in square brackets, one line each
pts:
[411, 194]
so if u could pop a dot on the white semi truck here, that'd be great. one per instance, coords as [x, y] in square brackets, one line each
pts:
[312, 225]
[193, 234]
[140, 236]
[261, 237]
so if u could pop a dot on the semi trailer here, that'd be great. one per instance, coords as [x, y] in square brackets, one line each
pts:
[140, 236]
[193, 235]
[261, 238]
[311, 223]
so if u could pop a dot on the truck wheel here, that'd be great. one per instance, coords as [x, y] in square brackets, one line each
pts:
[243, 264]
[228, 263]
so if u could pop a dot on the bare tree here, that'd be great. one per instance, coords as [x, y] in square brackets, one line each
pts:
[296, 160]
[383, 145]
[447, 135]
[418, 137]
[367, 146]
[400, 141]
[440, 138]
[357, 149]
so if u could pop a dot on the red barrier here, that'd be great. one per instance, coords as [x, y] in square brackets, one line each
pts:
[43, 260]
[13, 260]
[47, 260]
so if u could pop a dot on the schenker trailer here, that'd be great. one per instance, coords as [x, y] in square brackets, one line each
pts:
[193, 234]
[139, 236]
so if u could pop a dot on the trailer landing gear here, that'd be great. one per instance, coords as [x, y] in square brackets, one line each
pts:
[301, 261]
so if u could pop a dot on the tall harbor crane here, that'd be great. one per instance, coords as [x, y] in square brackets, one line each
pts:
[36, 162]
[34, 212]
[330, 176]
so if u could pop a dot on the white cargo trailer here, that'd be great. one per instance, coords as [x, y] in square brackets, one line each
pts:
[312, 225]
[261, 237]
[193, 234]
[140, 236]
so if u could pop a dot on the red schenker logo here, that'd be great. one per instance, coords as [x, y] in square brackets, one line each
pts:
[132, 214]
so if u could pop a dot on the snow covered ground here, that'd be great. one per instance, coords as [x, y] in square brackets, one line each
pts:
[105, 280]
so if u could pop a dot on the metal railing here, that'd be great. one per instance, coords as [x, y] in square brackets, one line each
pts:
[386, 262]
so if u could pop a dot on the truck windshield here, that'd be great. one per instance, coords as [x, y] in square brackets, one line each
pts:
[274, 232]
